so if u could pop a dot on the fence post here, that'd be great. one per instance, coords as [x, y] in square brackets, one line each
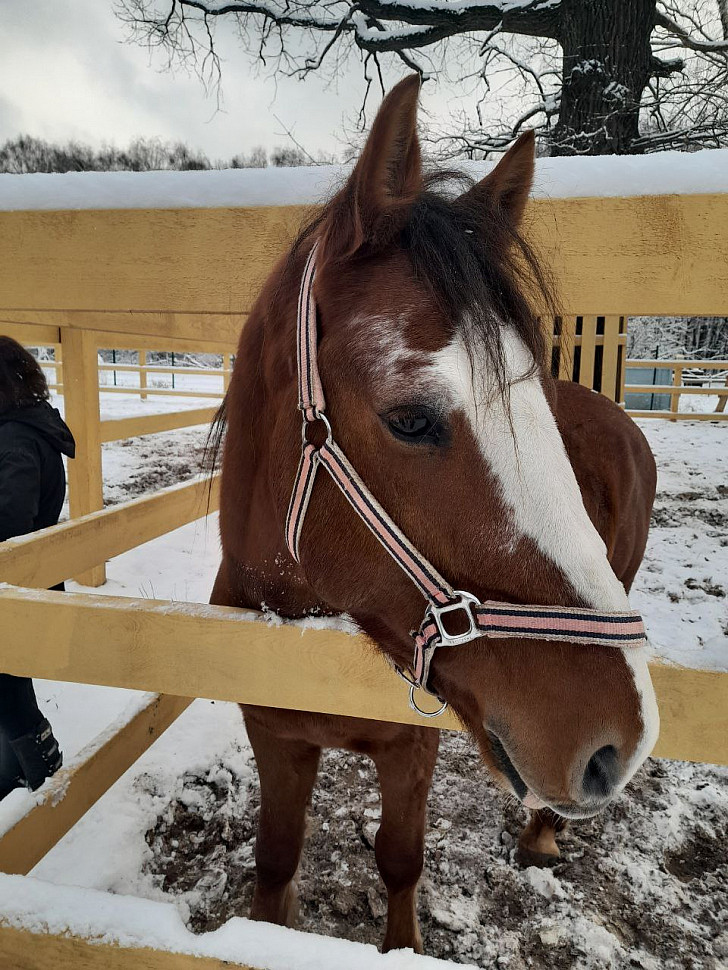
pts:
[143, 373]
[610, 358]
[722, 398]
[81, 403]
[677, 374]
[588, 351]
[58, 357]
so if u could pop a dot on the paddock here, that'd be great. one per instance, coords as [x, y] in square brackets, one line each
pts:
[184, 279]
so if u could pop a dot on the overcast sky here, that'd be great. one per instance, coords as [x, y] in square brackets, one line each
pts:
[67, 72]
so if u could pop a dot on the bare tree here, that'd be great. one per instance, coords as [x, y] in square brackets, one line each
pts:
[595, 76]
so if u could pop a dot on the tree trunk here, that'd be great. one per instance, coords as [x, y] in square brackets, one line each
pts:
[607, 60]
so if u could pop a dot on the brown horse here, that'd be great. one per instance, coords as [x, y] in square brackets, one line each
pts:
[516, 487]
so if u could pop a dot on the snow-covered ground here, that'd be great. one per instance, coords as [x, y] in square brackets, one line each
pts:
[644, 885]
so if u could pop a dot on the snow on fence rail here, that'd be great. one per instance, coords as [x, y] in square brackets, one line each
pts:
[185, 279]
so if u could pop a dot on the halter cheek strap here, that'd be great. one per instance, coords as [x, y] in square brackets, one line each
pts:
[489, 619]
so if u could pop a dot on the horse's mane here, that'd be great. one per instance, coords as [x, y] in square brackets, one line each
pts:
[479, 266]
[473, 259]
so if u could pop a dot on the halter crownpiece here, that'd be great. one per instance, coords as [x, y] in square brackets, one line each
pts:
[488, 619]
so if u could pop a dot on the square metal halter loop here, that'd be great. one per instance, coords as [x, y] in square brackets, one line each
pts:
[463, 604]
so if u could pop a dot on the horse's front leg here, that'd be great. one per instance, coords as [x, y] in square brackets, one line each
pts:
[287, 771]
[404, 766]
[537, 843]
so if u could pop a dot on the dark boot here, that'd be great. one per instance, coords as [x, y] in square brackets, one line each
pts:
[11, 774]
[29, 760]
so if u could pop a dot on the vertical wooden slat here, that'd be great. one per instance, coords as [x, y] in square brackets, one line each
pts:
[677, 374]
[622, 358]
[227, 370]
[143, 373]
[58, 357]
[610, 357]
[566, 348]
[722, 399]
[81, 403]
[588, 343]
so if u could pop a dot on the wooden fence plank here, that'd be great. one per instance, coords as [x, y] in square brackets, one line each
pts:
[224, 654]
[162, 392]
[81, 411]
[28, 950]
[212, 333]
[117, 428]
[73, 790]
[31, 334]
[671, 388]
[647, 255]
[159, 392]
[52, 555]
[617, 255]
[702, 364]
[162, 369]
[586, 358]
[567, 341]
[610, 357]
[680, 415]
[142, 368]
[136, 259]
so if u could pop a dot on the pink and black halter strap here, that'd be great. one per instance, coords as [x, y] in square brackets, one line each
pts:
[489, 619]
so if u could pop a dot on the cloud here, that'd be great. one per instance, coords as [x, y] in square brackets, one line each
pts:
[66, 73]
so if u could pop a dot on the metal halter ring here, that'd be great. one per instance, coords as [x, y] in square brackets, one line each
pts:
[320, 416]
[413, 704]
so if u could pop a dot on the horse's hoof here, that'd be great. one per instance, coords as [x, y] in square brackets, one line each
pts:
[531, 857]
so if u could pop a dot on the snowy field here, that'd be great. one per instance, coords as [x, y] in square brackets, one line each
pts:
[644, 885]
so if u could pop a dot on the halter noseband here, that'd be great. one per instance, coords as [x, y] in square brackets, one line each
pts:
[489, 619]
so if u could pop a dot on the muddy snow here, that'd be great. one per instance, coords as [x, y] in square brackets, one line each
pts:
[643, 885]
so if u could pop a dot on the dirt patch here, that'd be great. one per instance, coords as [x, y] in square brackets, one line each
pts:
[703, 852]
[643, 885]
[140, 466]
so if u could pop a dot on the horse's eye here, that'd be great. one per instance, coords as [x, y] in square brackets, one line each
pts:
[416, 426]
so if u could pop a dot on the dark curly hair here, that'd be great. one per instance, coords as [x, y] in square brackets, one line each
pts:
[22, 382]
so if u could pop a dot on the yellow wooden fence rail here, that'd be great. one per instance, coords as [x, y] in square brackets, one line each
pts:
[226, 654]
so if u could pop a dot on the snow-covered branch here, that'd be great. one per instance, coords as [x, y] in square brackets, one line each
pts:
[650, 67]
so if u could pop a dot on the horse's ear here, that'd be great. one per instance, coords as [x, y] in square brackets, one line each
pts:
[507, 187]
[385, 181]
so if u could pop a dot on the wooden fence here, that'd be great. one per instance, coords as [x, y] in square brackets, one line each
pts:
[678, 388]
[143, 371]
[185, 280]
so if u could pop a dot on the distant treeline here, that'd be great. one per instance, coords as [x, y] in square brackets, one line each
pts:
[25, 154]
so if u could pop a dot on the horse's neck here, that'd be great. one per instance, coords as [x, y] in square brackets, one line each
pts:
[257, 570]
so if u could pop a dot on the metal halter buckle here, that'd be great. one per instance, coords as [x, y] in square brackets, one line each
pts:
[464, 602]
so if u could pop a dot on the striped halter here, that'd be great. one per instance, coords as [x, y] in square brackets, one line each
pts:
[489, 619]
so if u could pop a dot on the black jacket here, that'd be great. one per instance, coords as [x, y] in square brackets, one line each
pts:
[32, 478]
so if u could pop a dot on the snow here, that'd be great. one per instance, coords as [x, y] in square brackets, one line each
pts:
[136, 923]
[664, 173]
[681, 587]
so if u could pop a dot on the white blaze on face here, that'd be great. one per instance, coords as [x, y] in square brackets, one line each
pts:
[522, 446]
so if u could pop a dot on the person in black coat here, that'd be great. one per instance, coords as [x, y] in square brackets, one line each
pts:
[33, 437]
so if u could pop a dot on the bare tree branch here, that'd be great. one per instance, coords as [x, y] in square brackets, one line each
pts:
[516, 58]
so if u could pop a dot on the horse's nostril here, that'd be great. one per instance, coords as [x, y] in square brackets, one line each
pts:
[602, 773]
